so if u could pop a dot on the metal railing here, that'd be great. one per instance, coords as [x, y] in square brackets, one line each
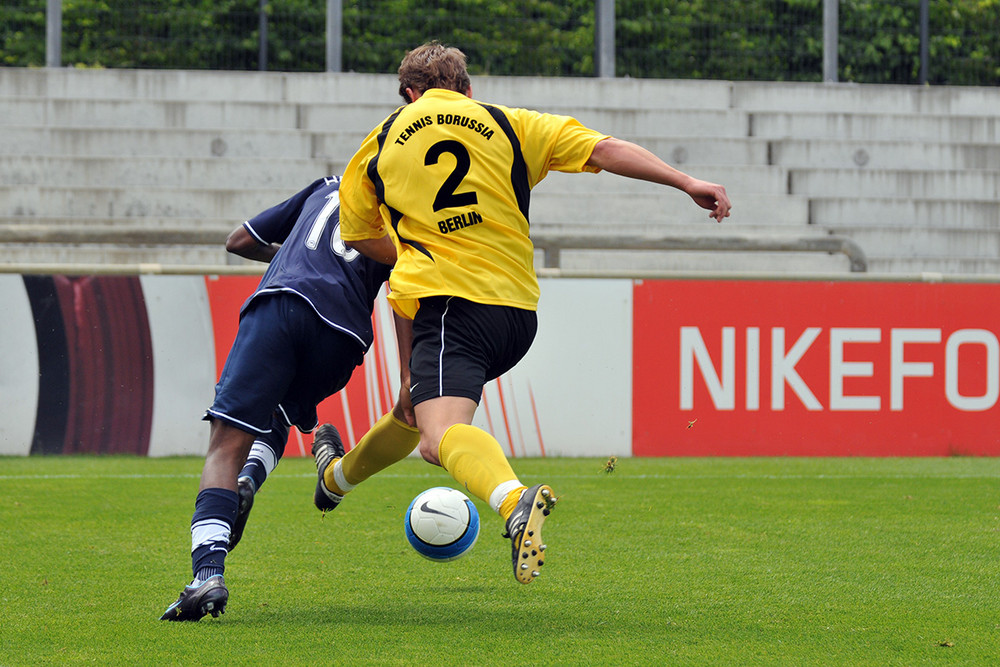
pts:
[553, 244]
[550, 244]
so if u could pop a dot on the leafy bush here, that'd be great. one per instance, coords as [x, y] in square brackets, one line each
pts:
[879, 42]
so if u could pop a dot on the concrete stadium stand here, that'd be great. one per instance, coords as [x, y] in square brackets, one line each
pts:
[909, 172]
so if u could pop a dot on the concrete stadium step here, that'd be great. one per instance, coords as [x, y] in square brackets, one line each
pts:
[544, 93]
[904, 211]
[875, 126]
[562, 94]
[257, 143]
[738, 179]
[70, 83]
[112, 234]
[907, 155]
[665, 122]
[324, 87]
[970, 185]
[865, 98]
[42, 200]
[335, 145]
[105, 142]
[164, 171]
[42, 112]
[94, 253]
[713, 123]
[685, 152]
[47, 201]
[978, 266]
[177, 114]
[222, 226]
[252, 143]
[354, 117]
[595, 210]
[889, 241]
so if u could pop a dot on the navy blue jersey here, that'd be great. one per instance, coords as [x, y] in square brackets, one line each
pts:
[341, 284]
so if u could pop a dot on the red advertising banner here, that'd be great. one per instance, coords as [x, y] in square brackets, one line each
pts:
[798, 368]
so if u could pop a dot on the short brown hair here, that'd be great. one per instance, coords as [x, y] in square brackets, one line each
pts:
[433, 65]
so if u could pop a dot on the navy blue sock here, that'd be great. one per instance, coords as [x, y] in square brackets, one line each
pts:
[214, 513]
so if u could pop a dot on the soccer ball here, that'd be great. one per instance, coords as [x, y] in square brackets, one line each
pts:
[441, 524]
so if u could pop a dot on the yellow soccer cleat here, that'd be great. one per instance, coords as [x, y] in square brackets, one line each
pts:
[524, 528]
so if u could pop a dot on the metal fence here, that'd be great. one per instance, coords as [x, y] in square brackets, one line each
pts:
[907, 41]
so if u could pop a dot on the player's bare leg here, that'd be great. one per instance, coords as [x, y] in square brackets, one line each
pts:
[228, 448]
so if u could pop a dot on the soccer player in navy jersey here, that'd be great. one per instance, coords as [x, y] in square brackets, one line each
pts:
[301, 335]
[441, 188]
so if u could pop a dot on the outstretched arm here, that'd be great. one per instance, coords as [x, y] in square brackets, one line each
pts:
[240, 242]
[633, 161]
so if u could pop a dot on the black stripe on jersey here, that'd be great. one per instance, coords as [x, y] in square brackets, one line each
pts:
[376, 179]
[518, 170]
[373, 165]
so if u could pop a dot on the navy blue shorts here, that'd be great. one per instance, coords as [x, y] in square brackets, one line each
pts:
[285, 359]
[459, 346]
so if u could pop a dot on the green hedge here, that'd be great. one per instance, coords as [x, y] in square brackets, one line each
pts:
[730, 39]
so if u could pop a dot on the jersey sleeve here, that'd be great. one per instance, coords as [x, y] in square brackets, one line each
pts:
[360, 215]
[276, 223]
[554, 142]
[573, 146]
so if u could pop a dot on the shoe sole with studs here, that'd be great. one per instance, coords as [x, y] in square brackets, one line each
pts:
[527, 547]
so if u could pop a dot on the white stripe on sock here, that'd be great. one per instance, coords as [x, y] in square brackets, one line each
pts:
[265, 455]
[500, 493]
[338, 477]
[209, 530]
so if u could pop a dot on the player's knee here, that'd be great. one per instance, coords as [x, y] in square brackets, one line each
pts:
[429, 450]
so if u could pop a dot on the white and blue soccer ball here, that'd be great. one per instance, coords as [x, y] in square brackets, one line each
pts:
[442, 524]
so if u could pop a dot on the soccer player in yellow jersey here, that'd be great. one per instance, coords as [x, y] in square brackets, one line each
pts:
[441, 189]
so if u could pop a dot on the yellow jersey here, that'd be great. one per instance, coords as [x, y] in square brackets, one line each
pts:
[449, 179]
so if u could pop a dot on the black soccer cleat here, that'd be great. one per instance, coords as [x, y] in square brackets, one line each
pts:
[524, 528]
[209, 597]
[244, 489]
[326, 448]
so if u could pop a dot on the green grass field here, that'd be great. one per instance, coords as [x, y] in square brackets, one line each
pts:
[663, 562]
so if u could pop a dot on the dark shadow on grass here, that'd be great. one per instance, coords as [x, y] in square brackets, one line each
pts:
[460, 607]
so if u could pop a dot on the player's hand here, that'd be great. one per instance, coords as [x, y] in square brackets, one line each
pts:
[711, 196]
[403, 410]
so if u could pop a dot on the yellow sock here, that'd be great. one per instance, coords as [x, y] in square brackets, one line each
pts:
[474, 458]
[387, 442]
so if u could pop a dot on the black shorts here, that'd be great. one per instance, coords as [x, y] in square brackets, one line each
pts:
[460, 345]
[285, 359]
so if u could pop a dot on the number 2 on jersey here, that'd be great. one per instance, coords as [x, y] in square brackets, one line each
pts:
[446, 195]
